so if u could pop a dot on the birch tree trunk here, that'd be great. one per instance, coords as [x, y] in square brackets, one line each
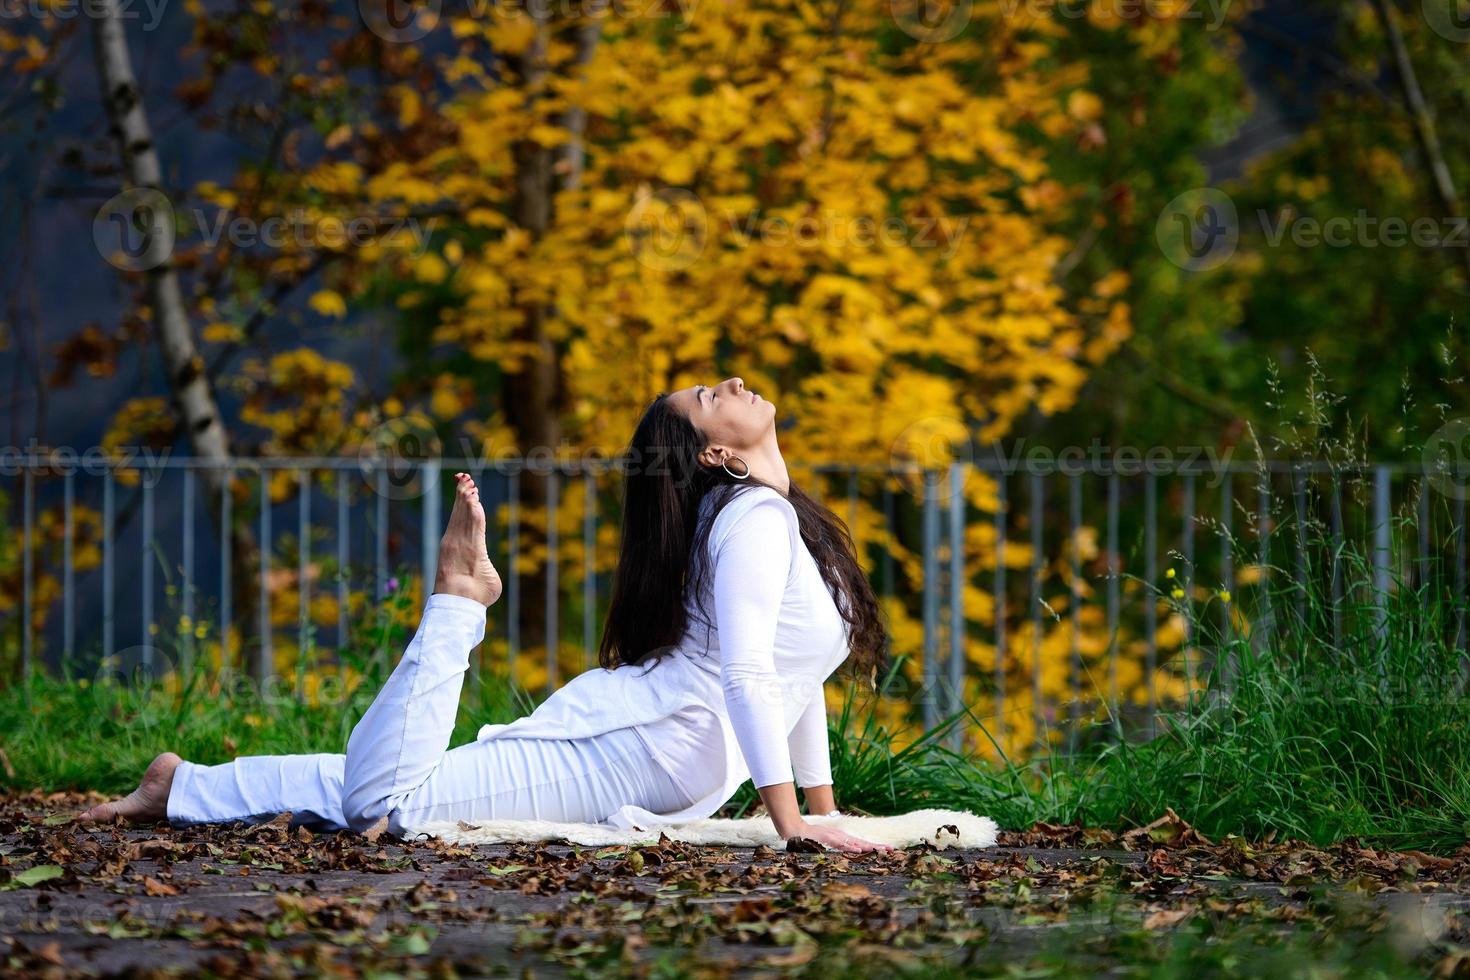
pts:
[192, 396]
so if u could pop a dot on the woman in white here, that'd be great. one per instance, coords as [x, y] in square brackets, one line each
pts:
[684, 708]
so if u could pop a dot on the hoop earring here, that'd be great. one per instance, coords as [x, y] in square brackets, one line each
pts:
[739, 476]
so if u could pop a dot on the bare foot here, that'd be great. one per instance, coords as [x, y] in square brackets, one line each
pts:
[464, 563]
[148, 802]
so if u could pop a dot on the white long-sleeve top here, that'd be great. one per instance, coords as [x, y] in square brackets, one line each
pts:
[740, 697]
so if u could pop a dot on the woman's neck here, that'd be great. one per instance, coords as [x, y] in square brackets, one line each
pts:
[767, 465]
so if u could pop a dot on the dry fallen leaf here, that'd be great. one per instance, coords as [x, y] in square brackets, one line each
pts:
[155, 887]
[1164, 918]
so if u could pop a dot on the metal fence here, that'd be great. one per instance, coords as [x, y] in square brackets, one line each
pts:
[1093, 537]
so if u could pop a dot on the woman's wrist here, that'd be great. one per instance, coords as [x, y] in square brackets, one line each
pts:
[785, 830]
[780, 801]
[820, 799]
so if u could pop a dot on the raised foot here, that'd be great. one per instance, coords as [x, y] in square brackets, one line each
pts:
[148, 802]
[464, 562]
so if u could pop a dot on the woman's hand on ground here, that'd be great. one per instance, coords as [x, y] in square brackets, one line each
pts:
[837, 840]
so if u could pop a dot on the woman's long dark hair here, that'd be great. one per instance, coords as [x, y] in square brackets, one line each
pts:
[664, 543]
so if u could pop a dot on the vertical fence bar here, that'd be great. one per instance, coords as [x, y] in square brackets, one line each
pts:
[433, 523]
[226, 561]
[109, 547]
[513, 587]
[1337, 533]
[1150, 596]
[1074, 534]
[1382, 544]
[1299, 507]
[146, 628]
[887, 559]
[190, 478]
[303, 586]
[931, 597]
[553, 592]
[1224, 671]
[490, 494]
[343, 545]
[1264, 517]
[999, 588]
[495, 491]
[69, 569]
[1187, 547]
[1113, 595]
[956, 598]
[589, 566]
[1038, 498]
[1460, 570]
[28, 569]
[265, 656]
[1423, 522]
[380, 542]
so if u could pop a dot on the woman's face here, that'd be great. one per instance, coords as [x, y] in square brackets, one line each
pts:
[729, 416]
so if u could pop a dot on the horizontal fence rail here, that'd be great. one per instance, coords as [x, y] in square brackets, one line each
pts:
[1040, 594]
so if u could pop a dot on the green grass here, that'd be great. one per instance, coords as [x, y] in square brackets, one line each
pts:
[1320, 735]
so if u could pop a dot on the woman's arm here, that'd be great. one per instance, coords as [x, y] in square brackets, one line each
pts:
[751, 569]
[810, 756]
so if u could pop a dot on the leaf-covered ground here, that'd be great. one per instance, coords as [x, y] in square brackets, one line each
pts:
[273, 899]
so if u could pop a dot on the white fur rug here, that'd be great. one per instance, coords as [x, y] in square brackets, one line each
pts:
[941, 828]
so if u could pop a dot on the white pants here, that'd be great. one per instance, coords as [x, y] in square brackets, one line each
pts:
[398, 762]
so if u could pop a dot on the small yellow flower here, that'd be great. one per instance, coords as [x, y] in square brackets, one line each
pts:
[1178, 593]
[1225, 595]
[1169, 573]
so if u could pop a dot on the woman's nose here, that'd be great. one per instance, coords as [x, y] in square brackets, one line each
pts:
[738, 384]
